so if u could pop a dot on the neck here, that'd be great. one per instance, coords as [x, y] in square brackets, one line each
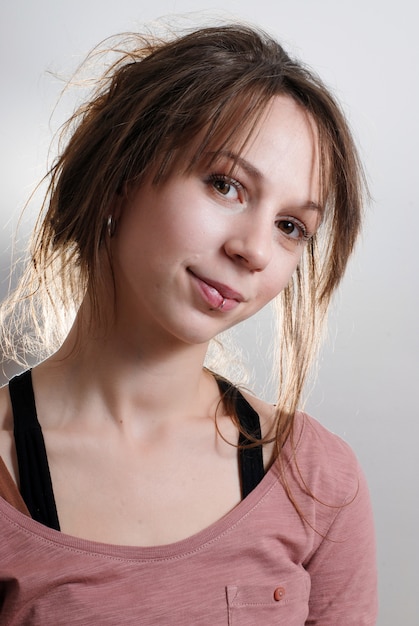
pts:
[113, 375]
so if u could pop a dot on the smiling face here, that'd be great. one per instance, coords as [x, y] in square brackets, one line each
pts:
[208, 248]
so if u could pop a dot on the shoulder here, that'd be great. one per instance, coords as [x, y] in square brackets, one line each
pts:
[318, 452]
[265, 410]
[316, 460]
[266, 413]
[324, 460]
[321, 446]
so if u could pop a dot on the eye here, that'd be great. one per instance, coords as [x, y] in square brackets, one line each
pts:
[226, 186]
[293, 229]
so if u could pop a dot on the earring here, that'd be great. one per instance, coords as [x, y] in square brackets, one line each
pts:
[111, 226]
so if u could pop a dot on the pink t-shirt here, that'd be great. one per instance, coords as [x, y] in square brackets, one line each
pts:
[258, 565]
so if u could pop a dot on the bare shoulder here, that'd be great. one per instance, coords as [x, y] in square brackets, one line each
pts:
[267, 416]
[6, 431]
[265, 410]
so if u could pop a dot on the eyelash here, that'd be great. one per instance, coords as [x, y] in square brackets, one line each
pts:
[213, 178]
[304, 235]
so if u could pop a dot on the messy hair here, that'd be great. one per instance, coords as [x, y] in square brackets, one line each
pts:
[154, 100]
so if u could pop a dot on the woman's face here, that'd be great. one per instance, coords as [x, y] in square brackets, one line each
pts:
[207, 249]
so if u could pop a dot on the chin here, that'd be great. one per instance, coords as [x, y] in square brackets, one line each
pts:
[198, 332]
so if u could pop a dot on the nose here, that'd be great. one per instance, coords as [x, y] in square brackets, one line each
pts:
[251, 243]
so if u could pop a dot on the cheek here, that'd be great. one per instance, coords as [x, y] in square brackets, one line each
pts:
[280, 275]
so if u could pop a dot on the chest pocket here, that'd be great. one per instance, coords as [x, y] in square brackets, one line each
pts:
[284, 602]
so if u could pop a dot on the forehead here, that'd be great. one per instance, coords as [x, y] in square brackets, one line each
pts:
[283, 137]
[283, 128]
[244, 123]
[279, 123]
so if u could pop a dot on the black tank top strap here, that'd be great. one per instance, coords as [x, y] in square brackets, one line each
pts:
[35, 479]
[34, 475]
[250, 458]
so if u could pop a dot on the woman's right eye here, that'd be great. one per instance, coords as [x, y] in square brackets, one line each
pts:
[223, 187]
[228, 187]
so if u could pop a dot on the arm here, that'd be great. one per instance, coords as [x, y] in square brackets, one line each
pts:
[343, 568]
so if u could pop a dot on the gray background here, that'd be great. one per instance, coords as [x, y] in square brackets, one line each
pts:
[367, 51]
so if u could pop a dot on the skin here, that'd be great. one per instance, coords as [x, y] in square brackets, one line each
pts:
[119, 413]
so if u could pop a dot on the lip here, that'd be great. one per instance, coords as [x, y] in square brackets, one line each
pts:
[215, 293]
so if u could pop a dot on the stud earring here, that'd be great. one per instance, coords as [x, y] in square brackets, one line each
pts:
[111, 226]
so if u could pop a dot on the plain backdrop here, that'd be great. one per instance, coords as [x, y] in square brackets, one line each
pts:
[367, 51]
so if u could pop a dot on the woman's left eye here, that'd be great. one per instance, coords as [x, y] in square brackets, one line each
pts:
[294, 229]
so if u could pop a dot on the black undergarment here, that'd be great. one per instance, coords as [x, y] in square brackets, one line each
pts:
[35, 479]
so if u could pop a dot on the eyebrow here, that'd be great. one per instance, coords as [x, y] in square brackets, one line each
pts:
[314, 206]
[248, 167]
[257, 175]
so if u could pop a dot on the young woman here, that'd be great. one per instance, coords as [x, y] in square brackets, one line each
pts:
[206, 176]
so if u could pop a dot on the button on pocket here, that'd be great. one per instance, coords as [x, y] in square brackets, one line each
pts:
[279, 593]
[285, 602]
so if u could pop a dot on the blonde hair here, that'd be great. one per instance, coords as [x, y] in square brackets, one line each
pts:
[149, 107]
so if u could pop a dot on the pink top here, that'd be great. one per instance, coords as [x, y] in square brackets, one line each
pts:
[259, 564]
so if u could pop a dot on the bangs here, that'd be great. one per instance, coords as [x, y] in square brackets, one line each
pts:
[233, 123]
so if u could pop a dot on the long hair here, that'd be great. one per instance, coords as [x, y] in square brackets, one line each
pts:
[149, 108]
